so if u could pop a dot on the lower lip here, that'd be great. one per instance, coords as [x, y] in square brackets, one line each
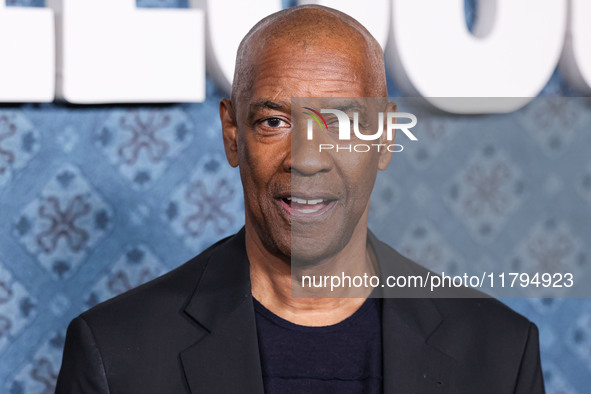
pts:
[299, 214]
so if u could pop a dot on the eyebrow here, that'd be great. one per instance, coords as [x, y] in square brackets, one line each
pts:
[350, 106]
[345, 106]
[269, 104]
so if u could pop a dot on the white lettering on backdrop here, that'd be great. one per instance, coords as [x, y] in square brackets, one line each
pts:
[108, 51]
[27, 48]
[575, 63]
[513, 53]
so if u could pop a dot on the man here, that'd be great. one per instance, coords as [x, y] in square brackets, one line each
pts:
[226, 321]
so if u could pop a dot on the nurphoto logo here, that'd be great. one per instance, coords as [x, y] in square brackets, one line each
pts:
[340, 123]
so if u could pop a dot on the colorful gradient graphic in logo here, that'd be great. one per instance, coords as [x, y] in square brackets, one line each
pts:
[315, 117]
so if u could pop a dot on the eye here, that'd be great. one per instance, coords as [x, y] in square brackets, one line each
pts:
[274, 123]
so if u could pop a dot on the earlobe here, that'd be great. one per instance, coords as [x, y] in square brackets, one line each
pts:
[229, 131]
[384, 160]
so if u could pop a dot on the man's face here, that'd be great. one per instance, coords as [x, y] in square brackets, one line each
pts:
[302, 203]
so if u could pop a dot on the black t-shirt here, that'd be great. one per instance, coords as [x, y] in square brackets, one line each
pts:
[342, 358]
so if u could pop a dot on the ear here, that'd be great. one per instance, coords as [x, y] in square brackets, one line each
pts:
[229, 131]
[385, 154]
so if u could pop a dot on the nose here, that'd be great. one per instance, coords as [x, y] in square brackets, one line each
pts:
[305, 156]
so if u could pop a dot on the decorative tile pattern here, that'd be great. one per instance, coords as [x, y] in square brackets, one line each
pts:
[435, 132]
[40, 374]
[556, 382]
[545, 306]
[19, 142]
[135, 267]
[550, 247]
[17, 308]
[68, 138]
[425, 245]
[485, 192]
[553, 122]
[64, 222]
[579, 339]
[209, 205]
[142, 143]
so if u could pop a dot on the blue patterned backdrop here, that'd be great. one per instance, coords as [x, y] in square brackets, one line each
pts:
[96, 200]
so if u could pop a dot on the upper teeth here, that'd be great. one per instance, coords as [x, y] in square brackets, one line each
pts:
[303, 201]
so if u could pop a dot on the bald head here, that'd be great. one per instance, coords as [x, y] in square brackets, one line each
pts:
[302, 28]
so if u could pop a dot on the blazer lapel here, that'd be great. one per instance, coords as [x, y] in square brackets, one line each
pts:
[225, 356]
[412, 361]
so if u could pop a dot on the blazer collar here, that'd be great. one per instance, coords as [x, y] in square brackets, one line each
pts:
[225, 357]
[412, 360]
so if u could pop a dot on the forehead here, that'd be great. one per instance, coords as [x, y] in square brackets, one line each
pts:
[325, 69]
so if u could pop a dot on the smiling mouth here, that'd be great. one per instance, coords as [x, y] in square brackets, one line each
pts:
[306, 207]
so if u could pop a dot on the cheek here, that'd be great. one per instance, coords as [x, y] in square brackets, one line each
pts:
[256, 168]
[249, 160]
[362, 170]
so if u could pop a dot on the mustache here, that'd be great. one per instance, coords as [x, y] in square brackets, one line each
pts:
[308, 187]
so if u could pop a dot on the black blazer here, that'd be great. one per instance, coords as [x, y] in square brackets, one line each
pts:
[193, 331]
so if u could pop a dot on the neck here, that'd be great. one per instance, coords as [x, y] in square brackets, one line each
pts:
[274, 286]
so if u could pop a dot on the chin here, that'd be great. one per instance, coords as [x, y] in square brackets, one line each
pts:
[309, 251]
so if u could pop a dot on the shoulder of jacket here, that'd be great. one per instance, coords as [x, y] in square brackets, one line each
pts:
[160, 295]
